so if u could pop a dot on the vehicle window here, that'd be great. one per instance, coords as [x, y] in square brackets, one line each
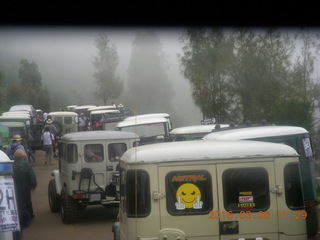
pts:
[115, 151]
[189, 192]
[138, 193]
[58, 119]
[293, 186]
[93, 153]
[67, 120]
[246, 188]
[146, 130]
[72, 153]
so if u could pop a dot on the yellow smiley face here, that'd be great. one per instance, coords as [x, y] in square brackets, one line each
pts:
[188, 193]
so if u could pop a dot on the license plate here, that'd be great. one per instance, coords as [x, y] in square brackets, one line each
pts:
[95, 197]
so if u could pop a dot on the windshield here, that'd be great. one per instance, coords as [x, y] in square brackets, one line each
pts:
[146, 130]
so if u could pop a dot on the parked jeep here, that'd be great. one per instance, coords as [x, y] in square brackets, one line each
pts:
[88, 171]
[65, 122]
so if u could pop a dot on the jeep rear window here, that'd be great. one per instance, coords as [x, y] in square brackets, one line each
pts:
[115, 151]
[58, 119]
[67, 120]
[293, 186]
[189, 192]
[246, 189]
[138, 193]
[93, 153]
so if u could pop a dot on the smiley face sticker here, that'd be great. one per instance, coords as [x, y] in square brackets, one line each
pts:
[188, 196]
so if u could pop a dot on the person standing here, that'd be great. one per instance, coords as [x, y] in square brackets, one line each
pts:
[14, 146]
[53, 131]
[48, 142]
[26, 183]
[82, 122]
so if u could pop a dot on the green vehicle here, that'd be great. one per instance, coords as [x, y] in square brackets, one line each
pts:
[13, 129]
[296, 137]
[36, 129]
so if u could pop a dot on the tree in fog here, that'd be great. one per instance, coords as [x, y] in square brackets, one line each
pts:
[28, 90]
[260, 71]
[149, 88]
[109, 84]
[258, 78]
[205, 62]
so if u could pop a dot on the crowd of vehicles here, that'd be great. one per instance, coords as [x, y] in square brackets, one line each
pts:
[241, 186]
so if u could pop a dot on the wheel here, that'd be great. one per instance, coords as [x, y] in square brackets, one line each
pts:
[54, 197]
[69, 208]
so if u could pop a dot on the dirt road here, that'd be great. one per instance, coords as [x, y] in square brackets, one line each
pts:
[94, 223]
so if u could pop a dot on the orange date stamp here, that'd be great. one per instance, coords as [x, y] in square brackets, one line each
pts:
[228, 215]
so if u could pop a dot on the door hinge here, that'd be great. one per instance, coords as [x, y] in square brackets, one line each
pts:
[156, 195]
[277, 189]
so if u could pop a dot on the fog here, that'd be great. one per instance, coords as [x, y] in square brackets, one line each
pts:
[64, 57]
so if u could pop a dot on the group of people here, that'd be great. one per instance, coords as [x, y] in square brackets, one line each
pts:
[24, 175]
[25, 179]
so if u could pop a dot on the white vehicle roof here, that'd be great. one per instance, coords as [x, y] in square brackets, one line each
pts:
[63, 113]
[205, 150]
[196, 129]
[149, 115]
[22, 112]
[26, 107]
[4, 157]
[100, 108]
[84, 107]
[99, 135]
[254, 132]
[16, 116]
[104, 111]
[71, 106]
[141, 121]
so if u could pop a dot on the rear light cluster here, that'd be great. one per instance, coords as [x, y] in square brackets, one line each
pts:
[311, 203]
[79, 196]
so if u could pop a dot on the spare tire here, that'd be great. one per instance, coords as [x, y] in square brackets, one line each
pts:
[58, 126]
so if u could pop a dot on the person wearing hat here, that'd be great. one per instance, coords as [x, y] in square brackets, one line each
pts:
[14, 146]
[53, 131]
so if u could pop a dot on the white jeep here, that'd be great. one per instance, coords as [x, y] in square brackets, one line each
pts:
[88, 171]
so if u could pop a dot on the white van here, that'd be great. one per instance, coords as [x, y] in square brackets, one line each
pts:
[211, 190]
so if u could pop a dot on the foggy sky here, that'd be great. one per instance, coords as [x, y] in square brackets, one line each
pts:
[64, 56]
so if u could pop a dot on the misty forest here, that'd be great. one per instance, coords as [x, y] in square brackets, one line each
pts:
[235, 75]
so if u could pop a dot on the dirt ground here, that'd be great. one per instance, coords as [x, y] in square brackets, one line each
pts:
[94, 223]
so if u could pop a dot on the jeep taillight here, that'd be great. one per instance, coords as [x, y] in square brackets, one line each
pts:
[78, 196]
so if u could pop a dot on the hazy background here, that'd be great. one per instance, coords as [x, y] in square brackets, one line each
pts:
[64, 56]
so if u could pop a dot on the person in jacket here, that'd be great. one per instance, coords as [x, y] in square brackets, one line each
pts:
[25, 182]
